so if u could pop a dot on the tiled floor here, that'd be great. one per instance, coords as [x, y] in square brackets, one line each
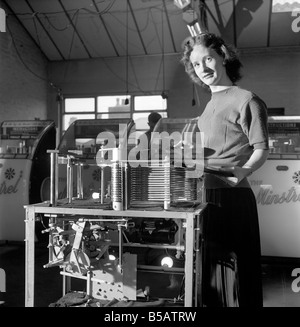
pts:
[280, 287]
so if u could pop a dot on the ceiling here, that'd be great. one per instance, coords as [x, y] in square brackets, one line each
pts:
[85, 29]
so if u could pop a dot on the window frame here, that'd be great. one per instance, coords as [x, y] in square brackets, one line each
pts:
[96, 113]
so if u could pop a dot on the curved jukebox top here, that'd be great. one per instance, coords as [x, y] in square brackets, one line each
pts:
[84, 137]
[22, 139]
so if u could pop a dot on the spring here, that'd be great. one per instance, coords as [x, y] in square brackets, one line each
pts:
[117, 183]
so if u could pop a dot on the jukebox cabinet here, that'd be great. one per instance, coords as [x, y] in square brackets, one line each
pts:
[24, 165]
[277, 188]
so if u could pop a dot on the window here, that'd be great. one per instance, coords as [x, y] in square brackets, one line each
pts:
[77, 108]
[105, 107]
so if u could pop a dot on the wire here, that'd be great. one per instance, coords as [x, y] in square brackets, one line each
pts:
[60, 29]
[120, 78]
[19, 56]
[127, 62]
[36, 31]
[132, 29]
[73, 34]
[163, 48]
[70, 10]
[23, 62]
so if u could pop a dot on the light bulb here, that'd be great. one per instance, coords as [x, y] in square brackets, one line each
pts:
[112, 257]
[167, 262]
[95, 195]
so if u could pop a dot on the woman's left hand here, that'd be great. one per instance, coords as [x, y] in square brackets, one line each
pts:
[239, 173]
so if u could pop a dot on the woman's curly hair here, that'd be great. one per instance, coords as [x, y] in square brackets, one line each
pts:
[210, 40]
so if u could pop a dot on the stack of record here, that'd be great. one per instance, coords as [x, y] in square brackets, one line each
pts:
[150, 184]
[182, 187]
[156, 184]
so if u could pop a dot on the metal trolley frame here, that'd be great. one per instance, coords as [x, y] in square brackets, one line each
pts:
[191, 247]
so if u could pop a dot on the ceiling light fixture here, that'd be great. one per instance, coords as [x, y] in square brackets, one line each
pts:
[182, 3]
[190, 16]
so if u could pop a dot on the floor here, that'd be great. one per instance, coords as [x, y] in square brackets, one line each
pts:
[281, 286]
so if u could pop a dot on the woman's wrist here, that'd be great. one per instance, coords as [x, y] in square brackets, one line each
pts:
[249, 169]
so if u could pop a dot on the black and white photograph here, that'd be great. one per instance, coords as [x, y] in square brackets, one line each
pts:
[150, 156]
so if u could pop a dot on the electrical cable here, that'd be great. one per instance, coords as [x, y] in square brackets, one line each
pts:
[163, 53]
[70, 10]
[73, 34]
[25, 65]
[60, 29]
[127, 62]
[75, 16]
[19, 56]
[36, 30]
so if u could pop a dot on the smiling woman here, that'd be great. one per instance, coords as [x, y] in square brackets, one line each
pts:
[214, 53]
[234, 124]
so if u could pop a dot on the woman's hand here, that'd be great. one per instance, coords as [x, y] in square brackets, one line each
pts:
[257, 159]
[239, 173]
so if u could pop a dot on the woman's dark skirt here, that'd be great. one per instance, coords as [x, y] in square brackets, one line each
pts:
[230, 229]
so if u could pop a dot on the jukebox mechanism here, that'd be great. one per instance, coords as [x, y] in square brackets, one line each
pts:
[171, 175]
[109, 176]
[81, 247]
[170, 178]
[147, 230]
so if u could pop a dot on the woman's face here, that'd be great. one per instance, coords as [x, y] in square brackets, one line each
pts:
[208, 66]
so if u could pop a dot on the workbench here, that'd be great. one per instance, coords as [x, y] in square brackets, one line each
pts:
[190, 216]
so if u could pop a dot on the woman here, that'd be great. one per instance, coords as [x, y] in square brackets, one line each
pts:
[234, 123]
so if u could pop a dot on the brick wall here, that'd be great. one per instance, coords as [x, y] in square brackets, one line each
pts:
[23, 75]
